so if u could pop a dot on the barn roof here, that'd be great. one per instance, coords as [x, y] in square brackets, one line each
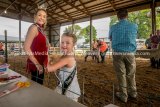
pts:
[60, 11]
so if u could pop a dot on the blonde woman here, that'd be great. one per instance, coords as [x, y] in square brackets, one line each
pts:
[36, 47]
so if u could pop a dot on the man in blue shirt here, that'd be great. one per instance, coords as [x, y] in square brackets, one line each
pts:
[123, 37]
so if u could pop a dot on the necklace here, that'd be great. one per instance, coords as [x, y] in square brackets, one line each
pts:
[40, 29]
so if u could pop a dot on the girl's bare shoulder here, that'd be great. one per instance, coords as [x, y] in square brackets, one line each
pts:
[68, 57]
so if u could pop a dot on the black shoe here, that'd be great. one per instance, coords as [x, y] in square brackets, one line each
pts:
[102, 61]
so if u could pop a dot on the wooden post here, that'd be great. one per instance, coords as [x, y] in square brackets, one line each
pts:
[20, 18]
[153, 5]
[6, 52]
[91, 33]
[49, 35]
[72, 26]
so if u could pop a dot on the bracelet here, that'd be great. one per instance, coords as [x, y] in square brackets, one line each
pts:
[37, 65]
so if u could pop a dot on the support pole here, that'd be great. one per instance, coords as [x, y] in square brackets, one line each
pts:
[49, 36]
[90, 32]
[153, 5]
[6, 52]
[20, 18]
[72, 26]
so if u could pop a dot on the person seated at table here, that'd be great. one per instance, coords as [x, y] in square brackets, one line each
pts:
[67, 76]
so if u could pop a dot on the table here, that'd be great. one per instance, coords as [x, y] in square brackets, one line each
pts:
[36, 96]
[148, 53]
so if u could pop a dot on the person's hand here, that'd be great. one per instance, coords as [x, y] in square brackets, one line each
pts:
[39, 68]
[48, 69]
[45, 69]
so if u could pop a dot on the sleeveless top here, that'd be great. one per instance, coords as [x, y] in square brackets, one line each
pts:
[39, 49]
[73, 90]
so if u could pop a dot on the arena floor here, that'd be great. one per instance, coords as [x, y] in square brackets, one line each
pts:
[97, 80]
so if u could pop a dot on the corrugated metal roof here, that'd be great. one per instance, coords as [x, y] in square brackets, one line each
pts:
[60, 11]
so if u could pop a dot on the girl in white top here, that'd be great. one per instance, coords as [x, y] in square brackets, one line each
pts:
[68, 71]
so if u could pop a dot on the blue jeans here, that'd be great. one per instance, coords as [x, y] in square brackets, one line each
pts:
[103, 54]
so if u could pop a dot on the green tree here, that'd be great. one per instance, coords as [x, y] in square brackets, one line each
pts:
[114, 20]
[158, 18]
[86, 33]
[141, 19]
[76, 30]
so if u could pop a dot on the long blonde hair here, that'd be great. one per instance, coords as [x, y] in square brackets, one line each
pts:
[41, 9]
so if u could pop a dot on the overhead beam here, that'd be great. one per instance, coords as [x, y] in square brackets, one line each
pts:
[53, 5]
[53, 12]
[26, 2]
[79, 5]
[35, 5]
[84, 7]
[153, 4]
[72, 1]
[69, 17]
[24, 9]
[10, 10]
[62, 16]
[50, 15]
[4, 2]
[112, 5]
[16, 8]
[66, 1]
[55, 20]
[71, 7]
[6, 8]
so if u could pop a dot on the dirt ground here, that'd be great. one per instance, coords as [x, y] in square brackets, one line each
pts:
[97, 81]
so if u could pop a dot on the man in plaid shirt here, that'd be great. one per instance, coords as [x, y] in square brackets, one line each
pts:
[123, 37]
